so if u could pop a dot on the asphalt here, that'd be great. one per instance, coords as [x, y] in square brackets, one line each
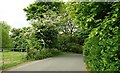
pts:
[73, 62]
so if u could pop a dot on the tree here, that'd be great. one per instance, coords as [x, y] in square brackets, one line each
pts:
[6, 40]
[45, 18]
[38, 9]
[21, 38]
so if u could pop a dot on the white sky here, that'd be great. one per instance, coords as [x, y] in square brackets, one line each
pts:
[11, 11]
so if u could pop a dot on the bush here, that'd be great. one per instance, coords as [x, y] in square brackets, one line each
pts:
[55, 52]
[70, 43]
[101, 49]
[102, 45]
[41, 54]
[74, 47]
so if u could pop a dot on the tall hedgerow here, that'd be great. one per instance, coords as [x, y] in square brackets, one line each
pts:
[102, 47]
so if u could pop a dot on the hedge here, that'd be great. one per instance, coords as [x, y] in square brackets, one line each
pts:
[102, 47]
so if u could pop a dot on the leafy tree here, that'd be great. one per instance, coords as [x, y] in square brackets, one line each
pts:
[36, 10]
[45, 17]
[22, 38]
[90, 14]
[6, 40]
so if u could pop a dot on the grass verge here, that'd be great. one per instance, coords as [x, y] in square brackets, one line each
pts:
[11, 59]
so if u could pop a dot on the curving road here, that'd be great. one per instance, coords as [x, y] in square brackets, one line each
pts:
[73, 62]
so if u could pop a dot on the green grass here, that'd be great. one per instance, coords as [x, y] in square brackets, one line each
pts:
[13, 59]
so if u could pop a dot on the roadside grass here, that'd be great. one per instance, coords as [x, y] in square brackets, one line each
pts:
[11, 59]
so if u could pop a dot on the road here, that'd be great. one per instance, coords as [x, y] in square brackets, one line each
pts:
[73, 62]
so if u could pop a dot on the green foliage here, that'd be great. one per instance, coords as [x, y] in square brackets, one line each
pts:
[37, 9]
[48, 34]
[25, 39]
[19, 38]
[41, 54]
[74, 47]
[45, 19]
[101, 49]
[69, 43]
[4, 35]
[48, 20]
[51, 18]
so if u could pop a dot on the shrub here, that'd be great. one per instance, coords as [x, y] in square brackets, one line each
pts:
[69, 43]
[74, 47]
[102, 45]
[101, 49]
[41, 54]
[55, 52]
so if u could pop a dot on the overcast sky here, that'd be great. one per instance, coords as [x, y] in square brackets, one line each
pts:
[11, 11]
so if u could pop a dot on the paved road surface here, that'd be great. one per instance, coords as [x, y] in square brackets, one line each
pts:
[73, 62]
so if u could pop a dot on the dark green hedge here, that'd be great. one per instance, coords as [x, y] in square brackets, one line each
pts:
[102, 47]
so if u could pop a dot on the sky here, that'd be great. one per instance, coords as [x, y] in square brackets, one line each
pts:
[11, 11]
